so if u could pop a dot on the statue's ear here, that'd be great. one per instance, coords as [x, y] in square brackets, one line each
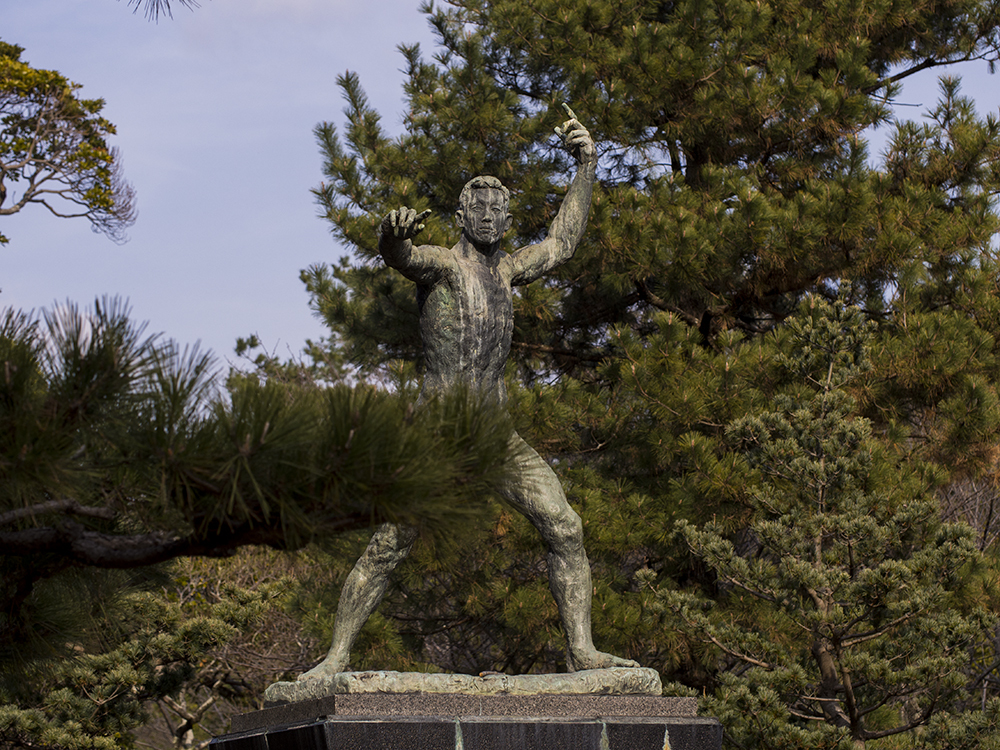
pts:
[459, 217]
[507, 222]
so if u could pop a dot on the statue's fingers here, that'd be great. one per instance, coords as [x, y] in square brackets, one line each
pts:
[417, 224]
[569, 112]
[402, 219]
[573, 129]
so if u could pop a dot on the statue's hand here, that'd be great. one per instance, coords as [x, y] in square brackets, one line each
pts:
[404, 224]
[577, 138]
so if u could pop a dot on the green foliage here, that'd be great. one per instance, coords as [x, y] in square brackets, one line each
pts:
[735, 176]
[229, 677]
[119, 451]
[133, 646]
[691, 414]
[54, 150]
[853, 613]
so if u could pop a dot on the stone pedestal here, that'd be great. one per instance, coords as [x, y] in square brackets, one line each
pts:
[613, 681]
[387, 721]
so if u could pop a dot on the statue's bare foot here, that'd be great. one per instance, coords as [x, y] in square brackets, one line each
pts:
[597, 660]
[326, 668]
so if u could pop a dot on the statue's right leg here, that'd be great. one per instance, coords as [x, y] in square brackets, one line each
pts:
[362, 592]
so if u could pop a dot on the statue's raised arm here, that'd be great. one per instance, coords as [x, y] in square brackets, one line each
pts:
[567, 228]
[395, 244]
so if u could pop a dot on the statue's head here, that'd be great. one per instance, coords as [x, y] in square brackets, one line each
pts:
[483, 210]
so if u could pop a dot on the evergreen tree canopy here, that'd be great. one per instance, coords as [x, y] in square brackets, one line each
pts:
[735, 177]
[736, 181]
[124, 643]
[850, 611]
[118, 452]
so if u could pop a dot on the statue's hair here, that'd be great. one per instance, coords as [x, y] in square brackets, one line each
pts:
[483, 182]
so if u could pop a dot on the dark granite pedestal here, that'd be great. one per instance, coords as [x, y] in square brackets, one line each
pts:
[469, 722]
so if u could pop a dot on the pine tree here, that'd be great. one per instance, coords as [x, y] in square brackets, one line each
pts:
[735, 182]
[853, 613]
[119, 451]
[129, 645]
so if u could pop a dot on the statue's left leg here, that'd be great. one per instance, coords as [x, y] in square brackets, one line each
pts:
[534, 489]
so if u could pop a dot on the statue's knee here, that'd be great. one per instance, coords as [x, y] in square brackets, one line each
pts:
[568, 529]
[385, 559]
[388, 548]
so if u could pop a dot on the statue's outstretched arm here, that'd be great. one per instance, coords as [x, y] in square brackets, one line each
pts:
[396, 232]
[567, 228]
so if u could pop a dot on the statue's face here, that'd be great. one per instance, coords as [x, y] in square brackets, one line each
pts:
[485, 219]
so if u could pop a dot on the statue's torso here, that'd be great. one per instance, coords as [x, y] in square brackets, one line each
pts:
[466, 321]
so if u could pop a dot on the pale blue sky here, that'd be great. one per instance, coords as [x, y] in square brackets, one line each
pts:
[215, 111]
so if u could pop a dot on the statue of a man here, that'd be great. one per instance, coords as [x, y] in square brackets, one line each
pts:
[466, 320]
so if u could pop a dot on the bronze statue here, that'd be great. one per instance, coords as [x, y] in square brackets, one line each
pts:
[466, 320]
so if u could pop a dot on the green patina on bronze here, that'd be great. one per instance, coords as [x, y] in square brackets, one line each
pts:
[466, 321]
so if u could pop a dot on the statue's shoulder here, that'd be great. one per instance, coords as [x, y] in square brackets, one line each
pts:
[439, 250]
[434, 256]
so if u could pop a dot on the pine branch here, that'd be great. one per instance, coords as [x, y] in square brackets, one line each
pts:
[573, 354]
[74, 544]
[153, 8]
[647, 294]
[70, 507]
